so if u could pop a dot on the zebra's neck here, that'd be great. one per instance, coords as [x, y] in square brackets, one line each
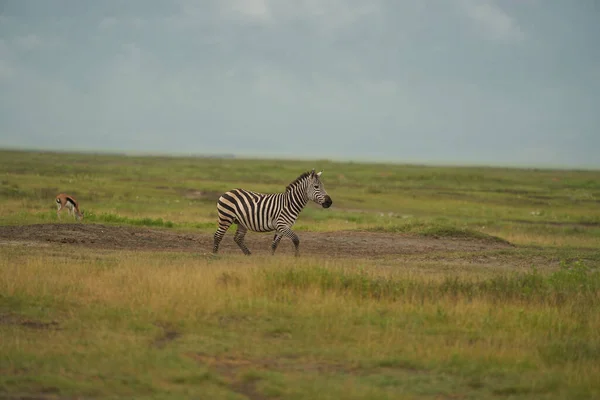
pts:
[297, 198]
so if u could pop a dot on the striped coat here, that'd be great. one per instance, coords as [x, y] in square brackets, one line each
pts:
[261, 212]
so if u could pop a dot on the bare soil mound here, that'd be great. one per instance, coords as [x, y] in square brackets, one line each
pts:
[338, 244]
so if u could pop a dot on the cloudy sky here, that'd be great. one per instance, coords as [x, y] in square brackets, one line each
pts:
[507, 82]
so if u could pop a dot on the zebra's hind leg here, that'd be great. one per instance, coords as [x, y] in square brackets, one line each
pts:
[223, 226]
[239, 238]
[276, 239]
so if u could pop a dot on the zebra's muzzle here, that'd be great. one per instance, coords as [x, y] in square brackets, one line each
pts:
[327, 203]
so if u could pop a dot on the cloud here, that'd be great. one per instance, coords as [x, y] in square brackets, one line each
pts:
[6, 65]
[108, 22]
[495, 23]
[258, 9]
[6, 70]
[28, 42]
[31, 42]
[129, 60]
[385, 79]
[326, 15]
[3, 49]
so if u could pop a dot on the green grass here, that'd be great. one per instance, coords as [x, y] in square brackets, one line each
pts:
[575, 281]
[523, 206]
[520, 321]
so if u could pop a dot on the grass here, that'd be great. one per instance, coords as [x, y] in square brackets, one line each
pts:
[436, 230]
[128, 325]
[524, 206]
[519, 321]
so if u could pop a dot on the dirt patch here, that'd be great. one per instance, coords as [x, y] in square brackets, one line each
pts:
[247, 388]
[335, 244]
[12, 319]
[233, 368]
[229, 365]
[168, 335]
[49, 393]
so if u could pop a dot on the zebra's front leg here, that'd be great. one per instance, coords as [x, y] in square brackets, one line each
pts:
[287, 232]
[239, 238]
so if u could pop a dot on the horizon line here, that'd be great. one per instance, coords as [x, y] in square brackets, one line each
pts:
[246, 156]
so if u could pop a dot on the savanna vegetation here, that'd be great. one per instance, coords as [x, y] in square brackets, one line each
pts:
[517, 321]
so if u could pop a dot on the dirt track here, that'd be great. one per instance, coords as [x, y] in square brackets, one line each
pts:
[340, 244]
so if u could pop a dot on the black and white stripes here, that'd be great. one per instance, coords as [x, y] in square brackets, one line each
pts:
[260, 212]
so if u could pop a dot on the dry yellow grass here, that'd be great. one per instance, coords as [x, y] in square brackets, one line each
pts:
[285, 322]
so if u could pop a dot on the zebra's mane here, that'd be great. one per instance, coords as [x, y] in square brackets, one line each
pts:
[296, 181]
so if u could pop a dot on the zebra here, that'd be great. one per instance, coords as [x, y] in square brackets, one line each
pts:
[261, 212]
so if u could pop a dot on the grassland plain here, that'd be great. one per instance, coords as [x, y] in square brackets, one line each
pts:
[406, 288]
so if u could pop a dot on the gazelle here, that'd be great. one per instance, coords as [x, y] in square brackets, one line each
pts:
[65, 200]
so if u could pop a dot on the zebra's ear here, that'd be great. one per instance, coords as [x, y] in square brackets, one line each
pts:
[312, 173]
[319, 173]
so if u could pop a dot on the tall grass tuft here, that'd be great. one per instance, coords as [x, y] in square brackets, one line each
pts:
[572, 283]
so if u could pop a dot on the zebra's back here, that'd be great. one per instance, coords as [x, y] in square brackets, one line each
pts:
[256, 211]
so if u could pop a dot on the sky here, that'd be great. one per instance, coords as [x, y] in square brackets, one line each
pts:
[504, 82]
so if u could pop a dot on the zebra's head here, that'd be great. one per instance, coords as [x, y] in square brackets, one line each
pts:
[316, 191]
